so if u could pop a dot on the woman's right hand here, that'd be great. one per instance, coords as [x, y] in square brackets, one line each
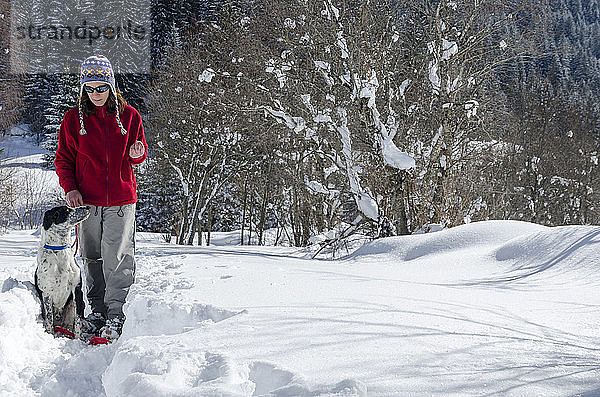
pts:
[74, 199]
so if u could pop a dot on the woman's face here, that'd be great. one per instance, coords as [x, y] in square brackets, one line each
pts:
[98, 98]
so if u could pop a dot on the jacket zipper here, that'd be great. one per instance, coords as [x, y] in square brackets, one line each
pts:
[106, 147]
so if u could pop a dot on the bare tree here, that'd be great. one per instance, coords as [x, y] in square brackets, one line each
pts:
[324, 83]
[196, 132]
[462, 46]
[8, 194]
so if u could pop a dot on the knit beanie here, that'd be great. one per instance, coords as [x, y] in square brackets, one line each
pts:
[97, 69]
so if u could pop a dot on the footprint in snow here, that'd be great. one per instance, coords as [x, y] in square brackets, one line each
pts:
[174, 265]
[183, 284]
[151, 315]
[269, 380]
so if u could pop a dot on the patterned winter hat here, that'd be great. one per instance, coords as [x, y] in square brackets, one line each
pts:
[97, 69]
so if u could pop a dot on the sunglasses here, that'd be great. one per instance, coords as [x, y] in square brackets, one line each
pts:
[100, 89]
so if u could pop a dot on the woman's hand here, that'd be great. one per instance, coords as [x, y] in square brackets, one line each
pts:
[136, 150]
[74, 199]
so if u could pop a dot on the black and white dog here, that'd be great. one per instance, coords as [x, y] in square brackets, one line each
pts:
[57, 277]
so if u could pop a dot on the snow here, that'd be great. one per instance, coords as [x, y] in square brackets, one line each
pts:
[500, 307]
[22, 161]
[394, 157]
[404, 86]
[486, 308]
[391, 155]
[345, 78]
[296, 123]
[316, 187]
[471, 107]
[434, 77]
[442, 52]
[369, 88]
[206, 76]
[329, 10]
[364, 200]
[322, 65]
[289, 24]
[449, 48]
[341, 43]
[279, 72]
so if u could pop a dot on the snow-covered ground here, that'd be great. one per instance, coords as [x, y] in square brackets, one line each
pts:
[499, 307]
[489, 308]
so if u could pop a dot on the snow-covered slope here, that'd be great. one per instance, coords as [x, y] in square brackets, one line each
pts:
[500, 307]
[35, 188]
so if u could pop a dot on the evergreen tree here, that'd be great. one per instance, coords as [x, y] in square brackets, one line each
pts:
[38, 89]
[63, 97]
[159, 197]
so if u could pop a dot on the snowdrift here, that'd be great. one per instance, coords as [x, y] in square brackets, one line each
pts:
[469, 236]
[505, 253]
[561, 254]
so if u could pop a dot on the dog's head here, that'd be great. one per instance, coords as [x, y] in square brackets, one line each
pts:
[64, 217]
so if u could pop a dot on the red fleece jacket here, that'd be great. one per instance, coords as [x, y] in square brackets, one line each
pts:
[98, 163]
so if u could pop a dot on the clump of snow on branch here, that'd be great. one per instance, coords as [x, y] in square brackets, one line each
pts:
[341, 43]
[449, 48]
[471, 107]
[206, 76]
[441, 52]
[289, 23]
[392, 156]
[434, 78]
[278, 71]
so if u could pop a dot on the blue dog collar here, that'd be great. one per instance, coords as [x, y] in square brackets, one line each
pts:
[56, 247]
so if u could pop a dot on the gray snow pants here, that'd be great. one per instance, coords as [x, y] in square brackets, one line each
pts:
[107, 245]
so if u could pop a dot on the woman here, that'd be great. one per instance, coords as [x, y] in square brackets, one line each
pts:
[99, 142]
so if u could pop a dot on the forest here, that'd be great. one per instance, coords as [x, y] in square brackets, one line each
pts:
[324, 119]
